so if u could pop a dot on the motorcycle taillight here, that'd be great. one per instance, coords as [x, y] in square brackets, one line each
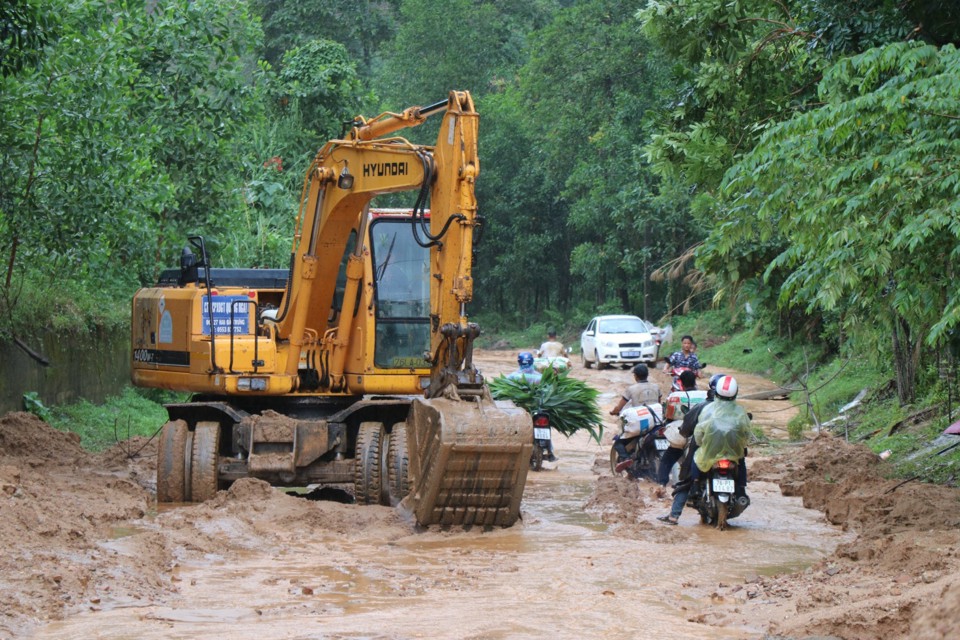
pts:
[541, 420]
[724, 464]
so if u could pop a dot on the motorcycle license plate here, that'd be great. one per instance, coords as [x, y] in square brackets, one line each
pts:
[630, 354]
[661, 444]
[541, 433]
[723, 485]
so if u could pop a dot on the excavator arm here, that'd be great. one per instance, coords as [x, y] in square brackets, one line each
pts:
[468, 455]
[345, 176]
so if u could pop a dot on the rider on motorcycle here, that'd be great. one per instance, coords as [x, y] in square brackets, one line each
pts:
[552, 348]
[723, 431]
[673, 454]
[641, 392]
[526, 370]
[686, 358]
[531, 375]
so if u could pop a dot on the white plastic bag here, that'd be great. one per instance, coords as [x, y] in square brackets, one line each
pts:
[672, 433]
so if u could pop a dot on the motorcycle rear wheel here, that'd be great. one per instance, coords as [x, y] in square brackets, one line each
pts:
[722, 516]
[536, 458]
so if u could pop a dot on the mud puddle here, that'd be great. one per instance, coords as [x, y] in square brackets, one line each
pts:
[566, 571]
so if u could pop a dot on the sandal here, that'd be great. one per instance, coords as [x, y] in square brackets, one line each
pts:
[668, 520]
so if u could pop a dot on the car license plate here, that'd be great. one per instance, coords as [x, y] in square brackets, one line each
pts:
[723, 485]
[630, 354]
[541, 433]
[661, 444]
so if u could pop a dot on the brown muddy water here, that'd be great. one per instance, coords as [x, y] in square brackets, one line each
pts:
[564, 571]
[560, 573]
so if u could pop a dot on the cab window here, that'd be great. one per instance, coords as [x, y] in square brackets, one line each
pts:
[402, 277]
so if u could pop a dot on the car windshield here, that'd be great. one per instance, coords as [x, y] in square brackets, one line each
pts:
[622, 325]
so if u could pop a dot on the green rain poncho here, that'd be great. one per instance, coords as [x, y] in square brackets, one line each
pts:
[721, 433]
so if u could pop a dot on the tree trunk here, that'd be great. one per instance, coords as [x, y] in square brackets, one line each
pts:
[906, 354]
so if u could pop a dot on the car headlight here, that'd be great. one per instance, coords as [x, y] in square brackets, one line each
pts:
[609, 343]
[648, 343]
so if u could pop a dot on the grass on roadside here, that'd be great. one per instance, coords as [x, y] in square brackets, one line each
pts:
[100, 426]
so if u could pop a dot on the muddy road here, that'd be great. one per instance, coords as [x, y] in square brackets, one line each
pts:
[837, 552]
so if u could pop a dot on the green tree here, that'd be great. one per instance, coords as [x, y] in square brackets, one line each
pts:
[442, 45]
[862, 192]
[741, 67]
[320, 82]
[579, 198]
[363, 27]
[124, 128]
[200, 91]
[76, 170]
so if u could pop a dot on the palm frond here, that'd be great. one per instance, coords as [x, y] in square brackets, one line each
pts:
[571, 403]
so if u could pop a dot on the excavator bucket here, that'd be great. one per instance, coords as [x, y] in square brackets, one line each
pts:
[468, 461]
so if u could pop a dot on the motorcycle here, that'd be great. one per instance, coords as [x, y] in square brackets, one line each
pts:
[675, 373]
[717, 502]
[644, 441]
[541, 440]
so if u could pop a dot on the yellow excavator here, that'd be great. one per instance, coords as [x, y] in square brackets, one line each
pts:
[353, 366]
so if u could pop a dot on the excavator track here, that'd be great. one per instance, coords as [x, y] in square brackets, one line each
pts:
[468, 461]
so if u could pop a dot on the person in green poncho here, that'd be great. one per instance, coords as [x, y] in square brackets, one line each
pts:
[722, 432]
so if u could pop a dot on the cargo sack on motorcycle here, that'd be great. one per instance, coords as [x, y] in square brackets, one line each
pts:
[636, 421]
[672, 434]
[680, 402]
[557, 363]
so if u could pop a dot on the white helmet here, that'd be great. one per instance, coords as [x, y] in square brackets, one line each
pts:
[727, 388]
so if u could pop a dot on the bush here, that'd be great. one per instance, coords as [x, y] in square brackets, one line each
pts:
[119, 418]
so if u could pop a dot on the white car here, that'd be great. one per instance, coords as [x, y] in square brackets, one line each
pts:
[617, 340]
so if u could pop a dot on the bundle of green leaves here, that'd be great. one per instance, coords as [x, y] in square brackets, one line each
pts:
[571, 403]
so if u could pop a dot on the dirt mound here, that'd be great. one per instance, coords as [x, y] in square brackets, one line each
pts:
[628, 504]
[617, 499]
[897, 579]
[60, 512]
[847, 483]
[24, 435]
[137, 450]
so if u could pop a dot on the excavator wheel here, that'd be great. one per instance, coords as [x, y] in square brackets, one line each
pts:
[205, 460]
[171, 460]
[367, 461]
[398, 460]
[385, 469]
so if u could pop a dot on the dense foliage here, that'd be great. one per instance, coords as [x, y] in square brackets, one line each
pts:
[646, 156]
